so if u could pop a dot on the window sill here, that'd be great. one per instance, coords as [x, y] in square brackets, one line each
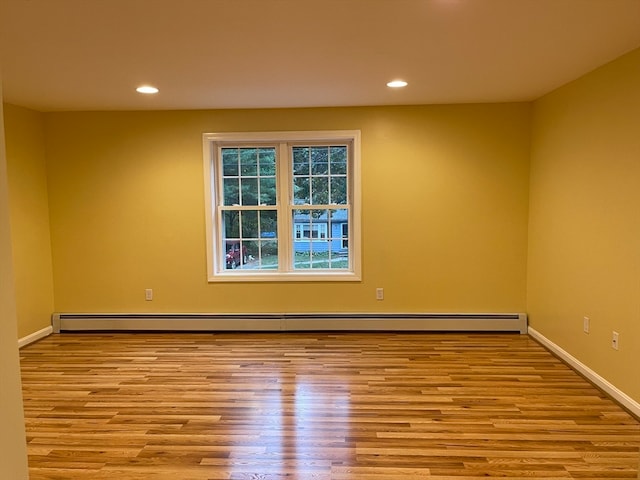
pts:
[324, 276]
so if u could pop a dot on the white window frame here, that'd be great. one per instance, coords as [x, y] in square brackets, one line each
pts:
[216, 271]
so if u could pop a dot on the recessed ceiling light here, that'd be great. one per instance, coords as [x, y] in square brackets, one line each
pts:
[397, 84]
[148, 89]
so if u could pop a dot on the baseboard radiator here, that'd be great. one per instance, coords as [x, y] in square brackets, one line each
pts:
[290, 322]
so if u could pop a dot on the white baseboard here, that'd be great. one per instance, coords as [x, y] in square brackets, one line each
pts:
[610, 389]
[34, 337]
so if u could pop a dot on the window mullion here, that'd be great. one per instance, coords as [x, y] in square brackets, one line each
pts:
[285, 235]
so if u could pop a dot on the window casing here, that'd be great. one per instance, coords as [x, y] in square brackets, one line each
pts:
[283, 206]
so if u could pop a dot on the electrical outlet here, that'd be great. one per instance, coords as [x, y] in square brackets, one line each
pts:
[148, 294]
[615, 340]
[379, 293]
[586, 324]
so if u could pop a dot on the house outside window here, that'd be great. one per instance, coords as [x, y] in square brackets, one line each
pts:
[283, 206]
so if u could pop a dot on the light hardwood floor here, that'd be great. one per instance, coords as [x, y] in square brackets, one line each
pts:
[316, 406]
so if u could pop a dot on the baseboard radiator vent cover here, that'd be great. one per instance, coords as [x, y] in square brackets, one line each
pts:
[291, 322]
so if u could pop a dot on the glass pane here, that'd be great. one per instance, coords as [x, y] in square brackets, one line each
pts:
[311, 238]
[320, 160]
[301, 219]
[249, 252]
[339, 238]
[268, 191]
[320, 261]
[267, 161]
[320, 239]
[231, 223]
[249, 191]
[230, 162]
[252, 255]
[301, 191]
[231, 191]
[339, 261]
[268, 224]
[320, 190]
[318, 215]
[338, 157]
[300, 160]
[301, 259]
[338, 190]
[248, 162]
[249, 223]
[339, 222]
[269, 255]
[235, 254]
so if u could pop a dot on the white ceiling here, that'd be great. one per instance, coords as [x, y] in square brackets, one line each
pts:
[91, 54]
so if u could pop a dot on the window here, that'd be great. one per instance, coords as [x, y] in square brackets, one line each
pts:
[310, 231]
[283, 206]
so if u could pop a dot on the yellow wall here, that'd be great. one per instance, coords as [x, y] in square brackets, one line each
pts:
[13, 445]
[445, 198]
[584, 257]
[29, 218]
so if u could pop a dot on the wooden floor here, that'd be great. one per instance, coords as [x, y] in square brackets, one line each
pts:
[366, 406]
